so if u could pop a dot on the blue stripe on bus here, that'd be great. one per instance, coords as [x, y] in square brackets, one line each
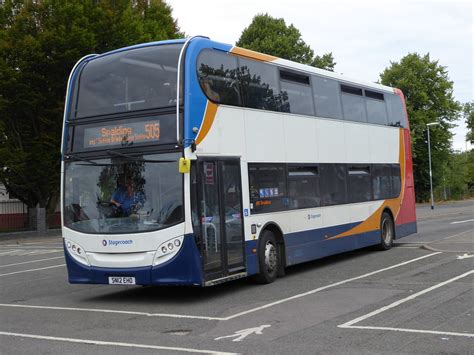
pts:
[312, 244]
[186, 268]
[316, 248]
[195, 103]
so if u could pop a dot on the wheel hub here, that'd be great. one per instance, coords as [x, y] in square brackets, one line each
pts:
[270, 257]
[387, 232]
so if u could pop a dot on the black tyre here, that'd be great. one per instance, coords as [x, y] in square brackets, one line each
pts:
[387, 231]
[268, 258]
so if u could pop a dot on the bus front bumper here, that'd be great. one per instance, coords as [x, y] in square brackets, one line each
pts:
[185, 268]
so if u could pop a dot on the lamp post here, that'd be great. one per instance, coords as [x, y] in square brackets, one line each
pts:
[429, 160]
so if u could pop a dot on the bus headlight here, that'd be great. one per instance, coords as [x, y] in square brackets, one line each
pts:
[77, 252]
[167, 250]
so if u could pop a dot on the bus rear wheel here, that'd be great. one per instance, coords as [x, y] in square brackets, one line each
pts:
[268, 258]
[387, 231]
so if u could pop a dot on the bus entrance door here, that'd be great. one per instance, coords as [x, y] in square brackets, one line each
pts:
[221, 220]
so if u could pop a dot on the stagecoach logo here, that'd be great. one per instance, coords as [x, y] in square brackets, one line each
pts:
[115, 243]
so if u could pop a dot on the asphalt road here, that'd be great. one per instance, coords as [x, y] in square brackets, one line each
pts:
[416, 298]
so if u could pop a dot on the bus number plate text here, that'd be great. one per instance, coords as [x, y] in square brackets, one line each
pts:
[121, 280]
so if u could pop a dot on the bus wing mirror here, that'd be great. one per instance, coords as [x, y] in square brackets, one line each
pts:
[184, 165]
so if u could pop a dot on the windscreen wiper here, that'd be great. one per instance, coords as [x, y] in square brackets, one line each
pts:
[139, 158]
[114, 152]
[76, 158]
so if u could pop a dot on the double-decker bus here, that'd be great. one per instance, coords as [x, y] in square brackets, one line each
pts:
[193, 162]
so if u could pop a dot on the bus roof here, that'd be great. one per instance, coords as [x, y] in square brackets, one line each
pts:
[261, 57]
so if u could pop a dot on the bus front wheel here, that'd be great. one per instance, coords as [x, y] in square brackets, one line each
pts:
[268, 258]
[387, 231]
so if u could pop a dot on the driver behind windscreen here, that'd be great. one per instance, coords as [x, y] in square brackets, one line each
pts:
[127, 198]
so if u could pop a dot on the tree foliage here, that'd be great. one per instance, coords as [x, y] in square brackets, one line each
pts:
[468, 112]
[40, 41]
[457, 178]
[429, 98]
[272, 36]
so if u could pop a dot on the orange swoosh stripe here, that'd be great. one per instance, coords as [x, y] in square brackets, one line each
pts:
[252, 54]
[373, 222]
[209, 116]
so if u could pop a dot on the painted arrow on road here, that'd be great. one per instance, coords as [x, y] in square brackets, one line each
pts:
[465, 256]
[242, 334]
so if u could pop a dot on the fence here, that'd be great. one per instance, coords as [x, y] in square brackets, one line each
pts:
[15, 216]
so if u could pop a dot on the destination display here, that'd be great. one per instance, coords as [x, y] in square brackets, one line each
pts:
[125, 133]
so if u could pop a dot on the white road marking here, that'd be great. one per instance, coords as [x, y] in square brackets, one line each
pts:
[33, 261]
[351, 323]
[32, 243]
[465, 256]
[10, 251]
[112, 343]
[415, 246]
[465, 221]
[319, 289]
[31, 270]
[252, 310]
[110, 311]
[28, 252]
[244, 333]
[420, 331]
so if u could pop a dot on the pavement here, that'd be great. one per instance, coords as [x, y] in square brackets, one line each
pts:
[463, 212]
[29, 235]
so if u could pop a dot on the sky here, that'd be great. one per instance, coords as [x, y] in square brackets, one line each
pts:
[364, 36]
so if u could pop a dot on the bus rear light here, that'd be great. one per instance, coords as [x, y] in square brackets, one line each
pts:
[167, 250]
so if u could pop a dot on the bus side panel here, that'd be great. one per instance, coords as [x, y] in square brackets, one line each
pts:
[316, 247]
[405, 223]
[406, 219]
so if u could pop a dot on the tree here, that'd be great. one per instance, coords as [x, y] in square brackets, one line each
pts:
[40, 41]
[468, 112]
[272, 36]
[429, 98]
[458, 177]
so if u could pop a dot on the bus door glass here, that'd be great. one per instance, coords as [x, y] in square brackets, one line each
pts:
[219, 196]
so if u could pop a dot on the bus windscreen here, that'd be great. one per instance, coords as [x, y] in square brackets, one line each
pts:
[132, 80]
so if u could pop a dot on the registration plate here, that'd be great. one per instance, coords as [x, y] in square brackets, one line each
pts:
[121, 280]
